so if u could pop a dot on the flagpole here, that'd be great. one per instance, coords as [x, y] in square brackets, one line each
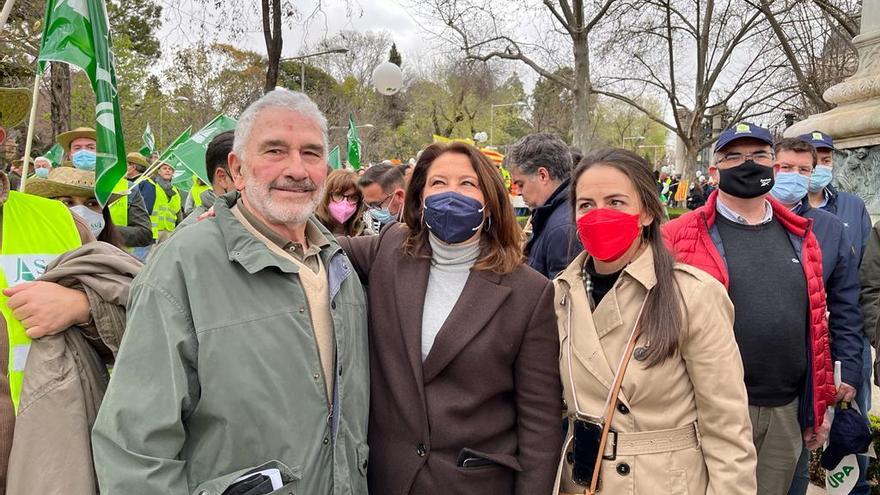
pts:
[4, 14]
[30, 133]
[149, 171]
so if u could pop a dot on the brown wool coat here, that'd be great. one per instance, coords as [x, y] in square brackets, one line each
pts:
[490, 383]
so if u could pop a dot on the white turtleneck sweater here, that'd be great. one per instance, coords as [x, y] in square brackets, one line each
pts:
[450, 268]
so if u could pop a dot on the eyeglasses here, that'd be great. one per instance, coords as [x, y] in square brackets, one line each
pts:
[801, 169]
[762, 157]
[351, 198]
[378, 205]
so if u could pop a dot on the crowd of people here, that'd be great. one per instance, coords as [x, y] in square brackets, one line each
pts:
[396, 330]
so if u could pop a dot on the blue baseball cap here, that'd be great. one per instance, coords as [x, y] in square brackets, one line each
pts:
[743, 130]
[819, 140]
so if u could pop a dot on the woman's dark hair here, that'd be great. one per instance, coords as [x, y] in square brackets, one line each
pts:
[339, 181]
[110, 234]
[500, 251]
[662, 317]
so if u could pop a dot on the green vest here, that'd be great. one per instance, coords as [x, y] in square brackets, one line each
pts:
[119, 208]
[35, 231]
[157, 218]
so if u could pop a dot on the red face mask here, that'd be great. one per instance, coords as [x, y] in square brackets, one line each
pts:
[606, 234]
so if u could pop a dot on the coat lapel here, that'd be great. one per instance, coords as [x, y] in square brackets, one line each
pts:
[410, 288]
[477, 304]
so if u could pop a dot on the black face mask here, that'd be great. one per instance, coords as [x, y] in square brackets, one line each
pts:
[746, 181]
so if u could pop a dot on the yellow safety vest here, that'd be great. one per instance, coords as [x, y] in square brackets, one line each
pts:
[119, 208]
[172, 208]
[157, 218]
[196, 192]
[35, 231]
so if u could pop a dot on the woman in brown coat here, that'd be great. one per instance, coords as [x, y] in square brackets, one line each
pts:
[465, 391]
[680, 423]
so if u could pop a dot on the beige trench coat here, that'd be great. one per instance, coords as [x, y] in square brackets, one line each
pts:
[702, 385]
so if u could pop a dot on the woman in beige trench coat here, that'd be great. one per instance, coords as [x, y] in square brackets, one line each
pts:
[680, 422]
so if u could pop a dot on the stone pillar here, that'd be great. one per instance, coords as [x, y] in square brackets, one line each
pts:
[855, 122]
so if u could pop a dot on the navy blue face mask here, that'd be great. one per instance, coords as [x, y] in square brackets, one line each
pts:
[453, 217]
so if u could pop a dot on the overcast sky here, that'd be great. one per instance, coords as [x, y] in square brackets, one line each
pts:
[185, 22]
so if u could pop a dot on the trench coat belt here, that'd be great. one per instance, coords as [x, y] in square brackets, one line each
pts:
[653, 442]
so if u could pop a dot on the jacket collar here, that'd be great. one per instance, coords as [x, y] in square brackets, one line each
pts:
[641, 269]
[790, 220]
[248, 251]
[543, 212]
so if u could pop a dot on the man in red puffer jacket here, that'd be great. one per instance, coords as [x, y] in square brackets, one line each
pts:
[771, 264]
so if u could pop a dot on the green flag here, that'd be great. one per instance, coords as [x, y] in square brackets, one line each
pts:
[55, 154]
[333, 159]
[77, 33]
[146, 152]
[191, 153]
[166, 155]
[149, 141]
[354, 145]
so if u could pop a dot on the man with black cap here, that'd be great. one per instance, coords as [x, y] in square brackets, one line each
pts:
[771, 263]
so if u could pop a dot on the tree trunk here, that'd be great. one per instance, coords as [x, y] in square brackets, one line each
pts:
[582, 116]
[272, 35]
[60, 97]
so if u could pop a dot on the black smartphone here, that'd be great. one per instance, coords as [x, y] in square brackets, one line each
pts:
[585, 450]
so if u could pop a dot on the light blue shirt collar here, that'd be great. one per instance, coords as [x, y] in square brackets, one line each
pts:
[733, 216]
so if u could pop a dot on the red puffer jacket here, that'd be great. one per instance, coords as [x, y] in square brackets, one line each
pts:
[690, 239]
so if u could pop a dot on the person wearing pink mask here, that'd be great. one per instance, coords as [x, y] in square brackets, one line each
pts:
[342, 208]
[652, 376]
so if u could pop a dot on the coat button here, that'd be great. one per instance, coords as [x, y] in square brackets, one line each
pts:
[421, 450]
[326, 441]
[623, 469]
[333, 305]
[640, 354]
[622, 408]
[302, 309]
[564, 405]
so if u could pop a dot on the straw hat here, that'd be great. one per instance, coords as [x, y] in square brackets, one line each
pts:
[137, 159]
[65, 138]
[19, 162]
[65, 181]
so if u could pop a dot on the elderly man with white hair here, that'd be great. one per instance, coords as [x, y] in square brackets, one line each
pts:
[245, 366]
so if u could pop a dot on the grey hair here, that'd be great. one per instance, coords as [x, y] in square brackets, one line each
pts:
[542, 150]
[277, 98]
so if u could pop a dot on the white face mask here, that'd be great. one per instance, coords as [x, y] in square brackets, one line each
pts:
[94, 219]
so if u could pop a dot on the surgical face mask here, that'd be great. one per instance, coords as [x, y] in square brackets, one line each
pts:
[822, 176]
[42, 173]
[453, 217]
[94, 219]
[84, 160]
[790, 187]
[381, 215]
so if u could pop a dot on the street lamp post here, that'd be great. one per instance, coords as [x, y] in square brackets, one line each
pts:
[632, 138]
[138, 104]
[655, 146]
[492, 117]
[302, 65]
